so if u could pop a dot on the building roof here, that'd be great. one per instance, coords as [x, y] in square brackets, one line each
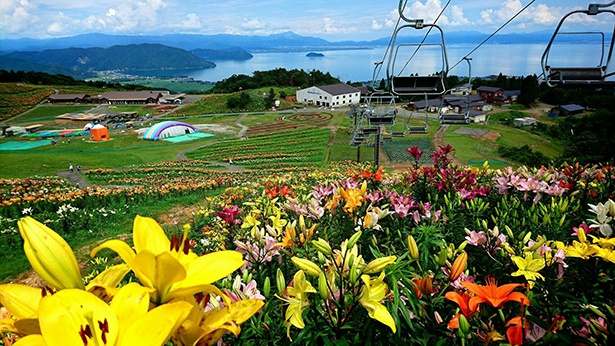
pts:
[488, 89]
[68, 96]
[131, 95]
[573, 108]
[338, 89]
[509, 93]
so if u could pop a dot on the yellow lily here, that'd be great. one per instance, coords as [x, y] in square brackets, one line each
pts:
[372, 294]
[49, 255]
[76, 317]
[529, 267]
[206, 328]
[277, 222]
[170, 267]
[297, 301]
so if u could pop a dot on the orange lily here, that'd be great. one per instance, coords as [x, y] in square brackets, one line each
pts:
[463, 300]
[493, 294]
[517, 328]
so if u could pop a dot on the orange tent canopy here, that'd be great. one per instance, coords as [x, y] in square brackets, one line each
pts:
[99, 133]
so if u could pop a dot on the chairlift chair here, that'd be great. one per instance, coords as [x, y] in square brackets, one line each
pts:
[413, 85]
[584, 76]
[463, 115]
[381, 109]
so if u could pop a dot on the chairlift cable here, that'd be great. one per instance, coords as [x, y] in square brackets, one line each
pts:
[424, 37]
[494, 33]
[386, 52]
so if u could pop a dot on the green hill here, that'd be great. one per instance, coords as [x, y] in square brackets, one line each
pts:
[133, 57]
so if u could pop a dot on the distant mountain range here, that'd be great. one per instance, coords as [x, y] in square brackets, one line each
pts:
[80, 55]
[278, 42]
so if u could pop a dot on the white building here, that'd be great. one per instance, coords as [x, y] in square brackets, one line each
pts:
[333, 95]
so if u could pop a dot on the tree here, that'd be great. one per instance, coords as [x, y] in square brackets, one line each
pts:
[501, 81]
[270, 99]
[529, 90]
[382, 85]
[283, 94]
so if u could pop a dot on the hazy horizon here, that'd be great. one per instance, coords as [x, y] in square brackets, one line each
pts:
[333, 21]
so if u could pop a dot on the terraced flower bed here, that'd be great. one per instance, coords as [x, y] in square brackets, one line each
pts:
[397, 150]
[286, 148]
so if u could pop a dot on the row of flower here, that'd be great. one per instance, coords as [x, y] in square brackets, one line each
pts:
[440, 254]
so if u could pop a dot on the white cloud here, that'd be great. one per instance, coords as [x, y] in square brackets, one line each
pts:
[457, 17]
[231, 30]
[192, 21]
[252, 24]
[376, 25]
[16, 16]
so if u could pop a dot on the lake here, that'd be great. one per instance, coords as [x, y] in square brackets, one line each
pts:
[358, 64]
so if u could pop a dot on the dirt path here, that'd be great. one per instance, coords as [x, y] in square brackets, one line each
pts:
[438, 140]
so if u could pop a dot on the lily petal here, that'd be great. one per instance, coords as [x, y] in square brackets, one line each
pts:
[31, 340]
[157, 326]
[110, 277]
[148, 235]
[20, 300]
[130, 303]
[212, 267]
[161, 270]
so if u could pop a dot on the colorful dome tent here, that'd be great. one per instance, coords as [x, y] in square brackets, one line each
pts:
[99, 133]
[167, 129]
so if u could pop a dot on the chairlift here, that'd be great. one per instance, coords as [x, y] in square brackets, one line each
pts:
[381, 109]
[416, 129]
[580, 76]
[461, 115]
[415, 84]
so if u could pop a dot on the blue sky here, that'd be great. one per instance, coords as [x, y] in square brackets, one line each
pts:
[335, 20]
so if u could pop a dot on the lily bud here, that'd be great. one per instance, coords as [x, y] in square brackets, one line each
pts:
[353, 274]
[280, 281]
[462, 246]
[413, 248]
[426, 285]
[437, 317]
[464, 326]
[50, 256]
[266, 287]
[351, 259]
[527, 237]
[442, 256]
[307, 266]
[353, 240]
[378, 264]
[458, 266]
[322, 246]
[509, 232]
[322, 286]
[538, 244]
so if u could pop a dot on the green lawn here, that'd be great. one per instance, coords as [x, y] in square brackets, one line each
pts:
[470, 149]
[115, 153]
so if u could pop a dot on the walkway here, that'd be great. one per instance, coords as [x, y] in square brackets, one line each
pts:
[75, 178]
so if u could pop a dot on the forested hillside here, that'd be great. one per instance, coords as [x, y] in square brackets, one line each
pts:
[136, 57]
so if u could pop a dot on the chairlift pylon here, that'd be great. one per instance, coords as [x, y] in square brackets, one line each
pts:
[580, 76]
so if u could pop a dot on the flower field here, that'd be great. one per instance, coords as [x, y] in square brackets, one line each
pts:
[273, 150]
[352, 255]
